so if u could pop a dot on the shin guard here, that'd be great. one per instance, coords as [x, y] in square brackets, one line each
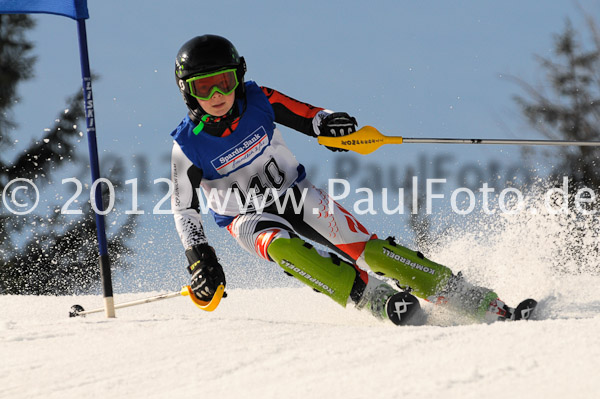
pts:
[409, 268]
[427, 279]
[331, 276]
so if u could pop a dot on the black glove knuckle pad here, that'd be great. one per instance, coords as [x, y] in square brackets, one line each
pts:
[207, 273]
[337, 124]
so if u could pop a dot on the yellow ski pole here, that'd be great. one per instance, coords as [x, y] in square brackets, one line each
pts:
[368, 139]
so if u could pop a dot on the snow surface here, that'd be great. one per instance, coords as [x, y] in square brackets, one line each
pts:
[291, 342]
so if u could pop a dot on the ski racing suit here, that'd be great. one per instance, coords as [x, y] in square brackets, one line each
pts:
[255, 187]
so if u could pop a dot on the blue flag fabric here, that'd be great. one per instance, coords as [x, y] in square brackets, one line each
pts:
[76, 9]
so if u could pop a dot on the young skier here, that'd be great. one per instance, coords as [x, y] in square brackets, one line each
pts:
[228, 144]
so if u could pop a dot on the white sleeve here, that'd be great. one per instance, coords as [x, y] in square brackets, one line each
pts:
[186, 179]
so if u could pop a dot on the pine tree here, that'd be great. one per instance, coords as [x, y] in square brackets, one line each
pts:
[45, 253]
[571, 109]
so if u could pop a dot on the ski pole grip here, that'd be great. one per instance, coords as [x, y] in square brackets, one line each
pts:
[207, 306]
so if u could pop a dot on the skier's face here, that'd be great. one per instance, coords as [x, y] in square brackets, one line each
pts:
[218, 105]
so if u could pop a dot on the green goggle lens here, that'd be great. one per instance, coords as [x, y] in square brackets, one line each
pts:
[204, 87]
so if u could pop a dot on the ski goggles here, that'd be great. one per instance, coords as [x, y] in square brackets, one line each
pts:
[204, 86]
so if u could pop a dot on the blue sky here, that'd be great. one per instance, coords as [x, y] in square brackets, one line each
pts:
[417, 69]
[427, 69]
[408, 68]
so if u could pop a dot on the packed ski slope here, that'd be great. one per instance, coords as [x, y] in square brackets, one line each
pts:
[287, 341]
[290, 342]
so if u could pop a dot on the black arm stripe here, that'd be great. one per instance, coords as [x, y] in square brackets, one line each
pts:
[194, 174]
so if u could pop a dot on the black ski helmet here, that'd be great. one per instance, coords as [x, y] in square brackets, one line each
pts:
[205, 54]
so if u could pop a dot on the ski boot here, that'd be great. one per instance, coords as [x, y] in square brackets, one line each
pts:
[328, 274]
[384, 302]
[499, 311]
[436, 283]
[481, 303]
